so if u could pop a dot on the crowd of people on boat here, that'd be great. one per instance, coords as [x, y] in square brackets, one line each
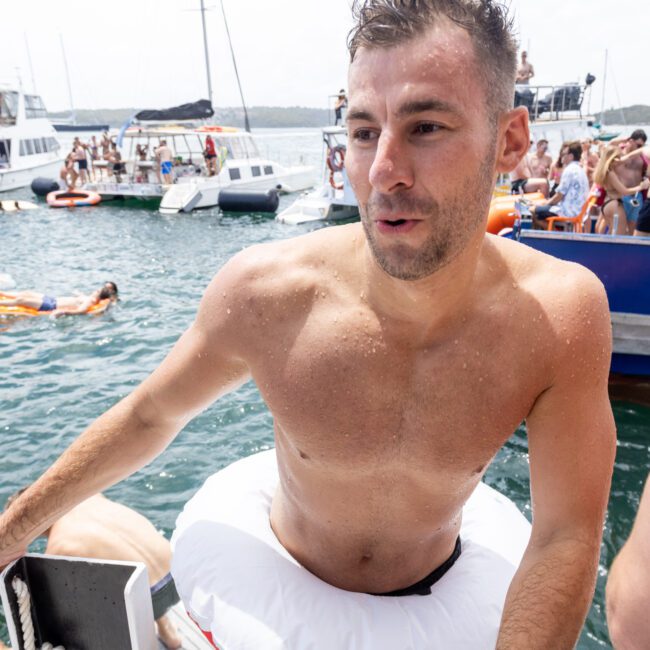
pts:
[97, 160]
[605, 185]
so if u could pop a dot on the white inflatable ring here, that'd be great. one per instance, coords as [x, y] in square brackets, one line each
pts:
[239, 583]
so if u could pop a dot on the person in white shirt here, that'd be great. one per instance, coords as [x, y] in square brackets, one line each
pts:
[572, 191]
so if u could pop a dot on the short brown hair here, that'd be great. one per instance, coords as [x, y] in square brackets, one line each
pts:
[385, 23]
[575, 149]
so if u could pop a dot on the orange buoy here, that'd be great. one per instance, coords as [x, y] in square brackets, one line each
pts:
[502, 210]
[74, 199]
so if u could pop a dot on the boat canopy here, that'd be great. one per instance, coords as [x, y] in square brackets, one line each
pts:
[200, 110]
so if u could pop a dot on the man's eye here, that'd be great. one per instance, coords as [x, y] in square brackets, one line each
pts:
[363, 135]
[427, 128]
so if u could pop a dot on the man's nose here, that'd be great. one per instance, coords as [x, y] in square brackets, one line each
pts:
[391, 169]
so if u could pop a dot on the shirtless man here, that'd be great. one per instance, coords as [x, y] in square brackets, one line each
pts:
[59, 306]
[540, 161]
[631, 171]
[525, 70]
[372, 345]
[164, 157]
[101, 529]
[79, 155]
[524, 180]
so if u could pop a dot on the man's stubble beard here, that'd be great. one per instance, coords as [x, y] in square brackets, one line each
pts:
[453, 224]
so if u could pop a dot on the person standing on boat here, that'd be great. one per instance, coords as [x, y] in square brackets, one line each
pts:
[525, 70]
[80, 158]
[210, 155]
[164, 158]
[572, 191]
[373, 345]
[101, 529]
[340, 104]
[540, 161]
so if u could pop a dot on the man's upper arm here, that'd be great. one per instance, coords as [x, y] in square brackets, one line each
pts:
[571, 431]
[206, 362]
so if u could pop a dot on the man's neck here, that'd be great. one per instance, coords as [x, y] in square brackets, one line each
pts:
[426, 309]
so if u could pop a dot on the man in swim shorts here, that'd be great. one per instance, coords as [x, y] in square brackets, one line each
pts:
[101, 529]
[397, 356]
[164, 158]
[631, 170]
[61, 306]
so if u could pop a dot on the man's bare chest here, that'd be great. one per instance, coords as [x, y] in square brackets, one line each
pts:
[352, 391]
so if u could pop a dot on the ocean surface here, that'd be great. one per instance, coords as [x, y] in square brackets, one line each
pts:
[57, 376]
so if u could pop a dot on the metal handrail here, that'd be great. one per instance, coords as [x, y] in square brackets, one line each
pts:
[551, 100]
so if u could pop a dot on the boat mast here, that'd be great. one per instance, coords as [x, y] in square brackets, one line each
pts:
[234, 62]
[602, 106]
[207, 56]
[67, 76]
[29, 60]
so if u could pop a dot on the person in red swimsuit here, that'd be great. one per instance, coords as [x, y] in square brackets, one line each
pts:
[210, 154]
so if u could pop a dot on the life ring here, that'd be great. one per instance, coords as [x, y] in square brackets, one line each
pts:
[244, 590]
[74, 199]
[336, 158]
[6, 310]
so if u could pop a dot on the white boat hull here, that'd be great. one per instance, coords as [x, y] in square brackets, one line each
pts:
[14, 179]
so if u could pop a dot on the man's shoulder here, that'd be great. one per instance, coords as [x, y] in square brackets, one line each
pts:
[288, 267]
[558, 286]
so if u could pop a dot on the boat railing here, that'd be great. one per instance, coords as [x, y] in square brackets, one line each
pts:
[551, 102]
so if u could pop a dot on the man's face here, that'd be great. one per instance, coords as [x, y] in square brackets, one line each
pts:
[421, 150]
[633, 145]
[542, 147]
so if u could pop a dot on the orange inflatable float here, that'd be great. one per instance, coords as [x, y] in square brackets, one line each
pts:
[76, 199]
[502, 210]
[6, 310]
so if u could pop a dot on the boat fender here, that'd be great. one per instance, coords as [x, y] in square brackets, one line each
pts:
[43, 186]
[248, 201]
[336, 158]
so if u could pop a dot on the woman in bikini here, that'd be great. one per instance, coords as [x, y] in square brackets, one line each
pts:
[605, 176]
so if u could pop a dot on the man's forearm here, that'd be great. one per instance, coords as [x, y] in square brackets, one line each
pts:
[113, 447]
[549, 597]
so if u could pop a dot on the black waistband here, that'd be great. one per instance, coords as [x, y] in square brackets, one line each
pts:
[423, 587]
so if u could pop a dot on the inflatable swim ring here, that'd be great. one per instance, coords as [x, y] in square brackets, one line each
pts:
[246, 592]
[5, 310]
[502, 210]
[78, 198]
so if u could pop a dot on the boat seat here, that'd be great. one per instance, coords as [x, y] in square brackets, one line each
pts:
[575, 223]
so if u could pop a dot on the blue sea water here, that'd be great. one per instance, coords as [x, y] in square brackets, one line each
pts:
[58, 376]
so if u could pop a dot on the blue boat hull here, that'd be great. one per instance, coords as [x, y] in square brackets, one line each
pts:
[623, 266]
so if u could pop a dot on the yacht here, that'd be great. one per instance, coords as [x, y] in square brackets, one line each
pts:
[185, 129]
[29, 146]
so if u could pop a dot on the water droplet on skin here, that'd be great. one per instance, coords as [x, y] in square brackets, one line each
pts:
[228, 311]
[456, 342]
[464, 366]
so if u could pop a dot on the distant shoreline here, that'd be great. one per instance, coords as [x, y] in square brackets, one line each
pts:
[263, 117]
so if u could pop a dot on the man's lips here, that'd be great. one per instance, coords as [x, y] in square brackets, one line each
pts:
[396, 225]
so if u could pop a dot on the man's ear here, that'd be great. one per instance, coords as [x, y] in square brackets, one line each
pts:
[514, 139]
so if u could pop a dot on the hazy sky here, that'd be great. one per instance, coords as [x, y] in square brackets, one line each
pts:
[149, 53]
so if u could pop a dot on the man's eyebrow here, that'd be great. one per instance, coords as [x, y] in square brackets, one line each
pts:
[361, 115]
[424, 105]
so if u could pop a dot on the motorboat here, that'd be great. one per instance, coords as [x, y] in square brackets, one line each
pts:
[333, 199]
[191, 183]
[29, 146]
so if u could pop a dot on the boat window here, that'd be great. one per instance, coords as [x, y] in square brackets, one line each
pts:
[5, 152]
[238, 148]
[8, 107]
[23, 151]
[37, 145]
[235, 174]
[54, 144]
[251, 147]
[268, 169]
[45, 143]
[26, 148]
[256, 170]
[34, 107]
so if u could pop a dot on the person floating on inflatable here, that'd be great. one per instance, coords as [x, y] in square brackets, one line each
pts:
[397, 356]
[58, 306]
